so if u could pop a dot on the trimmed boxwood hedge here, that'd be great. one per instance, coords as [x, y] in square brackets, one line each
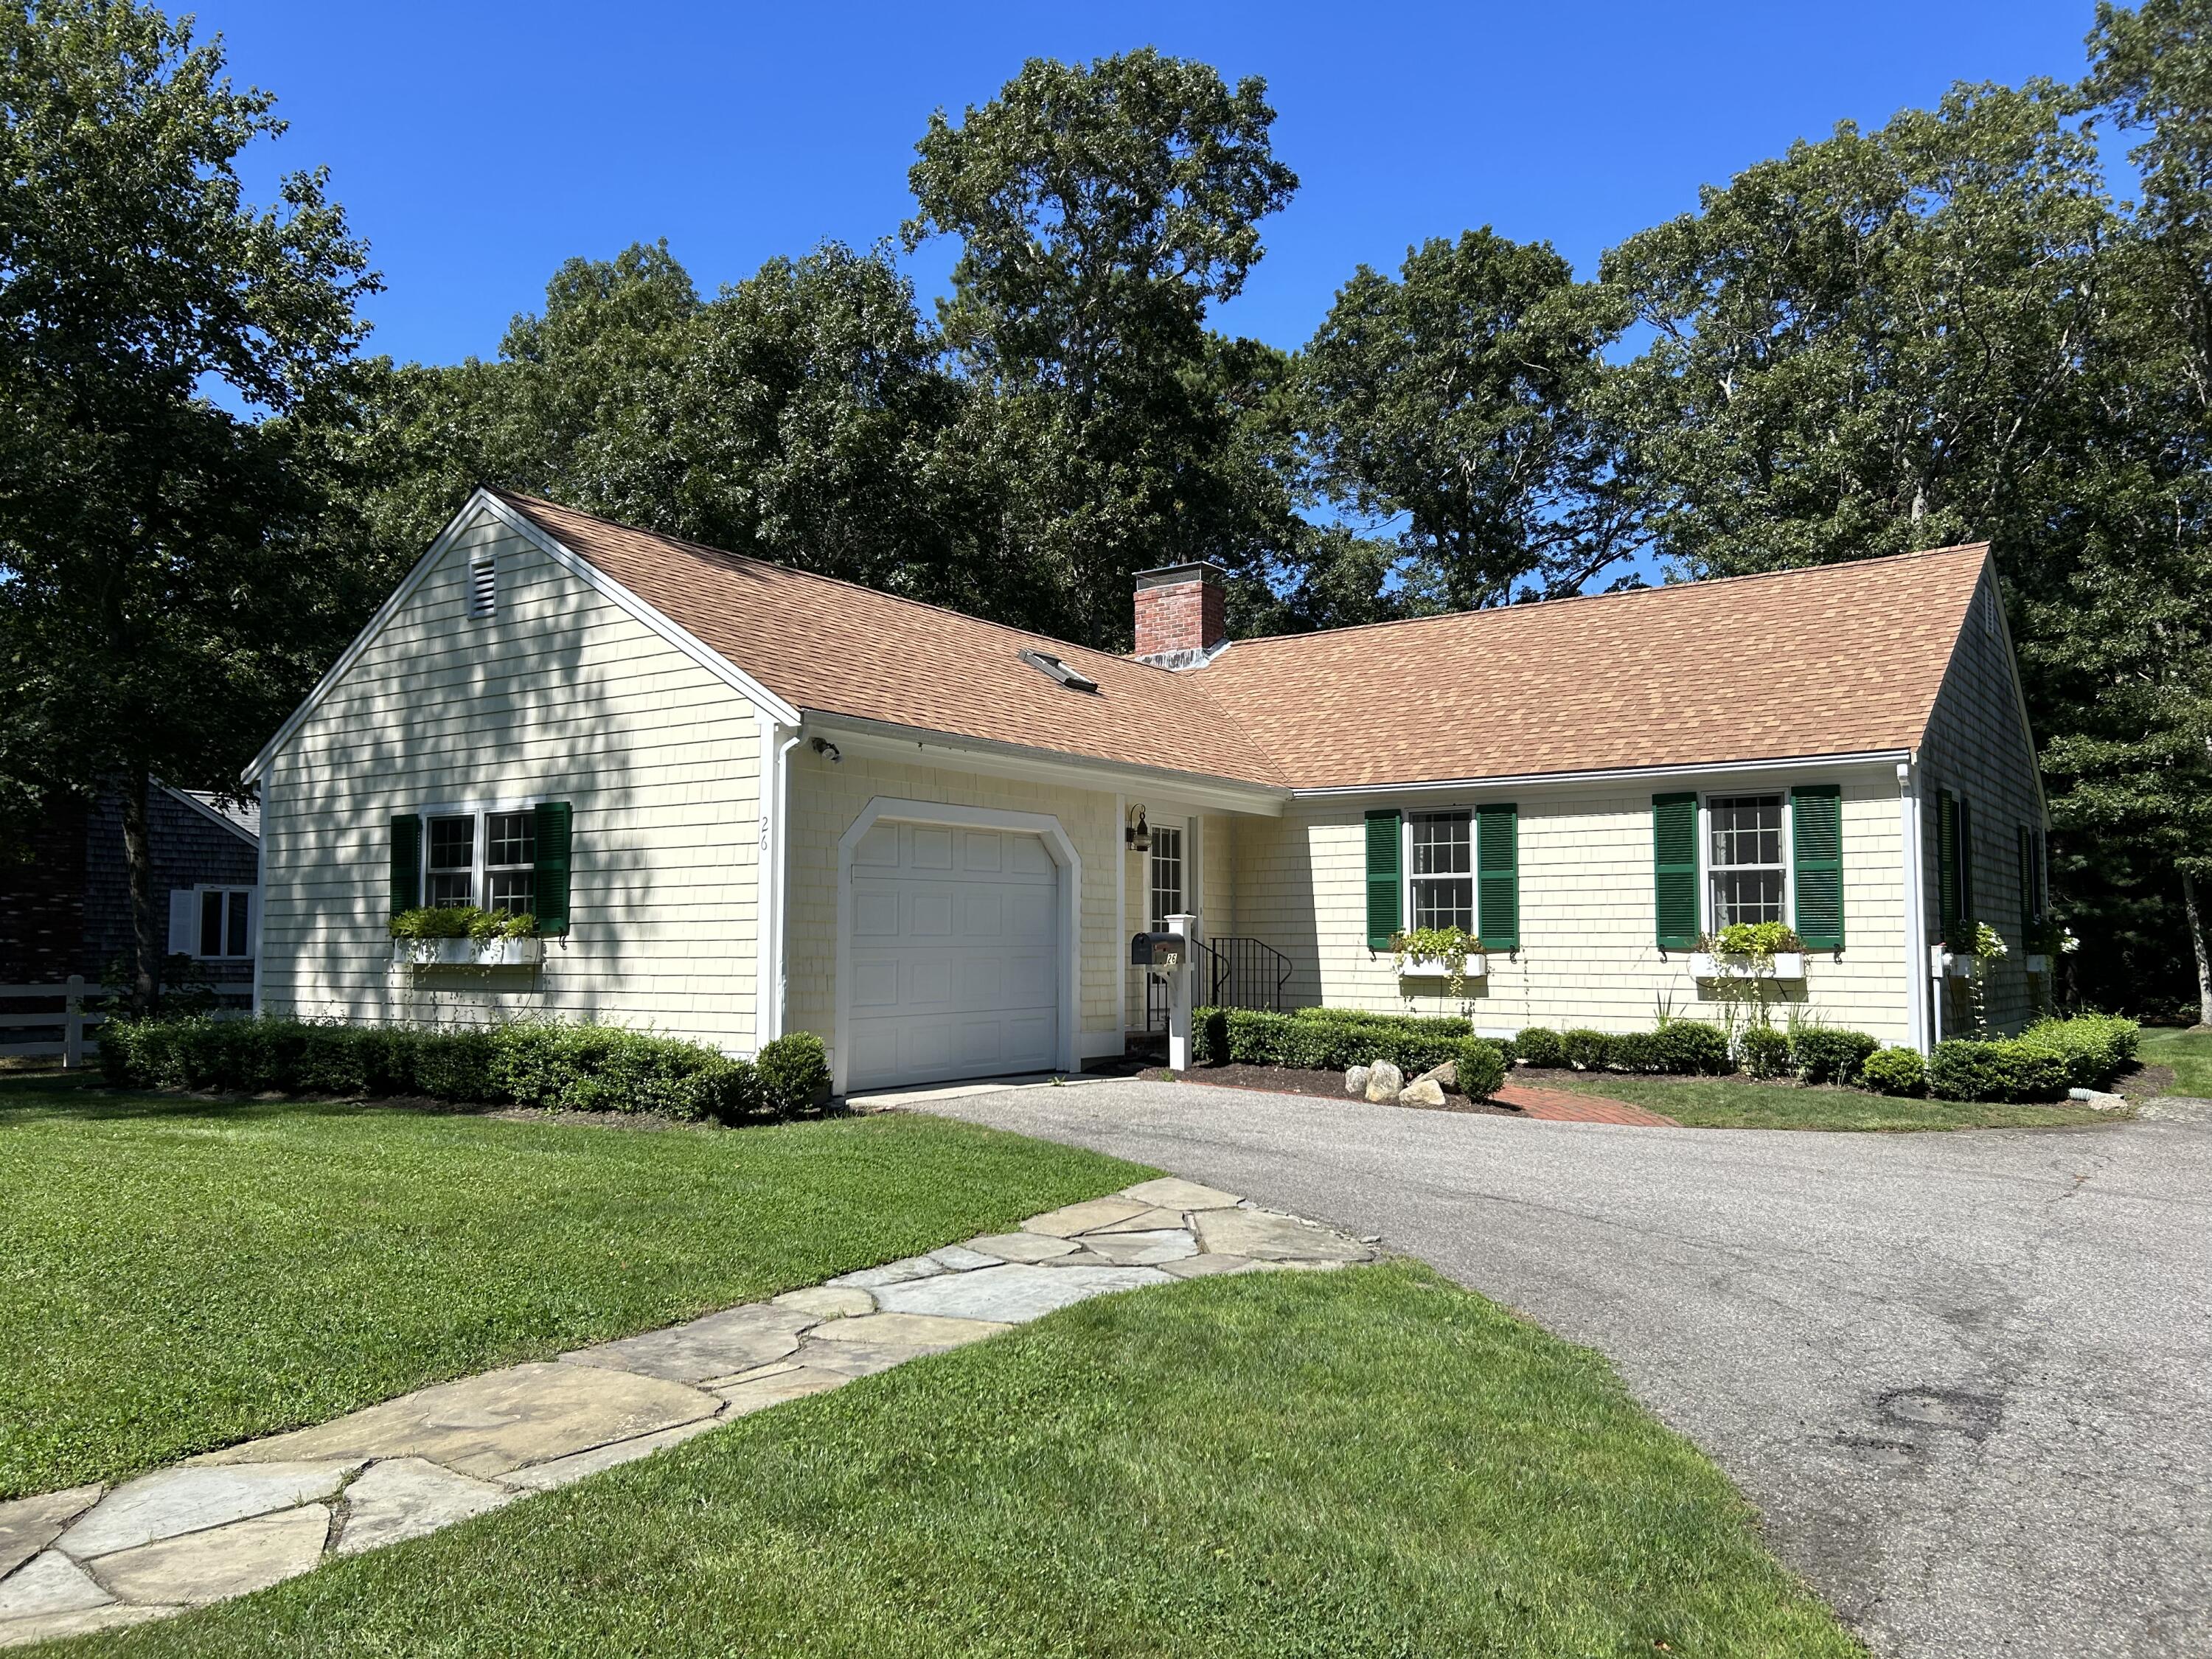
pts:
[589, 1068]
[1336, 1039]
[1680, 1046]
[2095, 1048]
[2005, 1069]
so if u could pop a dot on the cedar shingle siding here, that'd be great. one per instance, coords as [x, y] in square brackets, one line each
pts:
[68, 909]
[1977, 747]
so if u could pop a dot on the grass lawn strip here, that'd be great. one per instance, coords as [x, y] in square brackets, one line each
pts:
[180, 1275]
[1734, 1103]
[255, 1514]
[1367, 1461]
[2189, 1052]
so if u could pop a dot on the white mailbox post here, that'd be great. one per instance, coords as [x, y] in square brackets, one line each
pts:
[1186, 927]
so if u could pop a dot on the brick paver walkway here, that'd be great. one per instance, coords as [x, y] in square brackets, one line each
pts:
[1561, 1106]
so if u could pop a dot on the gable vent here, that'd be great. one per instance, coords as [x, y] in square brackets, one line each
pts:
[1045, 663]
[484, 587]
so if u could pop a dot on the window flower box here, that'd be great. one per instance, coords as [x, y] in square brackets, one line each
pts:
[1474, 965]
[1714, 964]
[2039, 965]
[468, 952]
[1955, 964]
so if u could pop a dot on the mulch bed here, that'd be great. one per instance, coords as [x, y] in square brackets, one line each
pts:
[1284, 1080]
[2146, 1083]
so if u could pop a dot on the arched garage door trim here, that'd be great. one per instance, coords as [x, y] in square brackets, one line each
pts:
[1057, 846]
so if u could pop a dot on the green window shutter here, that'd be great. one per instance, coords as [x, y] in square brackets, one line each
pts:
[1675, 870]
[1382, 913]
[2027, 906]
[1498, 875]
[406, 862]
[551, 885]
[1947, 860]
[1816, 813]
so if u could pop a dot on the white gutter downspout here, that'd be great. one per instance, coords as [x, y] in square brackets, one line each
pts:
[1920, 1006]
[776, 833]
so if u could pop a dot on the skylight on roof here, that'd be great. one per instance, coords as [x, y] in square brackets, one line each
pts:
[1045, 662]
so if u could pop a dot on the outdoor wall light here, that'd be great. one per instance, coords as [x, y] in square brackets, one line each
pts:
[1138, 833]
[828, 750]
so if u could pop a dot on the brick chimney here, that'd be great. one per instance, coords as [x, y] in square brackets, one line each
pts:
[1181, 614]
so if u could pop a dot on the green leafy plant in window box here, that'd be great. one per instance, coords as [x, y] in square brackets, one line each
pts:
[1450, 947]
[1755, 946]
[2047, 939]
[464, 936]
[462, 921]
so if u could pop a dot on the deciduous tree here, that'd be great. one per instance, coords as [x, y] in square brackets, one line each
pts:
[158, 609]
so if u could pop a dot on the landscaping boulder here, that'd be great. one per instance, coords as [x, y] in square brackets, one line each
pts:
[1445, 1077]
[1421, 1092]
[1384, 1080]
[1355, 1082]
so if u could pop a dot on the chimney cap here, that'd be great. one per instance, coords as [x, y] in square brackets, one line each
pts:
[1198, 570]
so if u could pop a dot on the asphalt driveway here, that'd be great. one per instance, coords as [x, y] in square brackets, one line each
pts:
[1965, 1377]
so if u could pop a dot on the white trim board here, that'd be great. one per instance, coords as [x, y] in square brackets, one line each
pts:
[1536, 780]
[924, 746]
[480, 502]
[1057, 845]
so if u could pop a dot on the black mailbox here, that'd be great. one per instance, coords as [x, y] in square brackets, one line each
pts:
[1155, 950]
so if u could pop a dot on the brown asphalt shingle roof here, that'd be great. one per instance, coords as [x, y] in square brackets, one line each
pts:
[833, 647]
[1839, 659]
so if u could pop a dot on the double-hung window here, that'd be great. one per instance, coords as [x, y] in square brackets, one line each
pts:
[1443, 877]
[1749, 875]
[449, 874]
[1167, 886]
[213, 923]
[487, 859]
[510, 861]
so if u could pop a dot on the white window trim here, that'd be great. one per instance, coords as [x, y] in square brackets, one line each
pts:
[1707, 910]
[479, 886]
[252, 891]
[1181, 829]
[1406, 863]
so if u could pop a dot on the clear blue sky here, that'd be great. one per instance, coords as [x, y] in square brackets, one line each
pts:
[477, 145]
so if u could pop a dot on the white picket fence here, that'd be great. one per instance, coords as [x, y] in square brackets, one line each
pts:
[73, 1019]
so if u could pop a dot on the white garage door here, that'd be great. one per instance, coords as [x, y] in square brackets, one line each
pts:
[955, 956]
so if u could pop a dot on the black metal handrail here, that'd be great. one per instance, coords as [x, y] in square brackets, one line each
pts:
[1248, 973]
[1235, 972]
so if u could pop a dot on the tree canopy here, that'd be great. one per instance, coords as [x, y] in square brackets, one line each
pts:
[160, 601]
[1946, 328]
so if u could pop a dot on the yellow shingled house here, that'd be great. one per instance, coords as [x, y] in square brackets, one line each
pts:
[742, 800]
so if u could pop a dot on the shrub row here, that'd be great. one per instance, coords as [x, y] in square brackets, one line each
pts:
[588, 1068]
[1688, 1047]
[2095, 1048]
[2005, 1068]
[1337, 1039]
[2087, 1051]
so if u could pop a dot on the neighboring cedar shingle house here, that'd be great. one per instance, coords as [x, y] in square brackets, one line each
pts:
[744, 800]
[66, 907]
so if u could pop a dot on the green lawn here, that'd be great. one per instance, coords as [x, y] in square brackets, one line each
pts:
[177, 1275]
[1363, 1463]
[2190, 1054]
[1734, 1103]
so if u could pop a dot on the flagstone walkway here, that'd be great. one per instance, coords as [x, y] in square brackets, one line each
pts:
[251, 1516]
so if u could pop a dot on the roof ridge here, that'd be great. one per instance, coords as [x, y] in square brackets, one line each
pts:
[520, 497]
[1700, 583]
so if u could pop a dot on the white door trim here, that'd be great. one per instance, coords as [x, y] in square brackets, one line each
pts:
[1057, 846]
